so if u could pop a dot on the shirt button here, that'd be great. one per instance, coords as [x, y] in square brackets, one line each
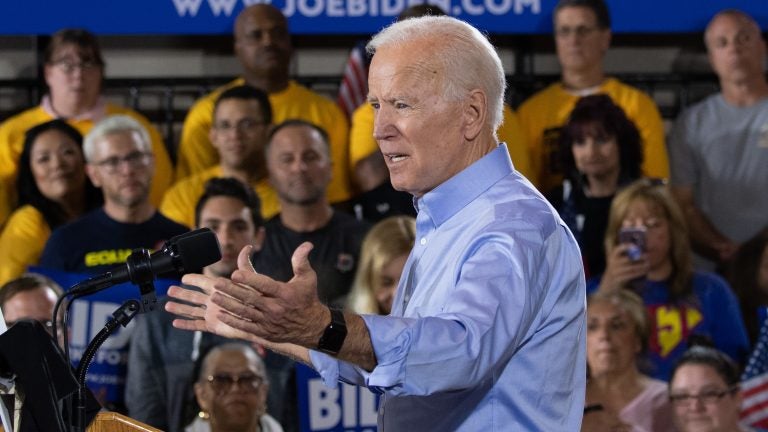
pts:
[423, 241]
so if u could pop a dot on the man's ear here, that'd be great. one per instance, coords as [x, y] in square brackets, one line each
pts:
[258, 239]
[94, 174]
[200, 396]
[475, 114]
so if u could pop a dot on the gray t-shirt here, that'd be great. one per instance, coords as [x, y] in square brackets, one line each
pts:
[722, 152]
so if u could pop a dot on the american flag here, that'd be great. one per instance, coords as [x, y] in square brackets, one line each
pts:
[754, 384]
[354, 84]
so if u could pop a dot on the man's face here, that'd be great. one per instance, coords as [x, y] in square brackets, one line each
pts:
[262, 41]
[36, 304]
[419, 132]
[122, 168]
[736, 48]
[580, 42]
[299, 165]
[239, 132]
[232, 222]
[73, 77]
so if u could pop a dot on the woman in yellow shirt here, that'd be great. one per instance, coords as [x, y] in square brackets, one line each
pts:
[53, 189]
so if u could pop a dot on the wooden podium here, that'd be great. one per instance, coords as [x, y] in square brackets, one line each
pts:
[114, 422]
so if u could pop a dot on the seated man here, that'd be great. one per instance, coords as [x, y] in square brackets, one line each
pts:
[582, 37]
[242, 117]
[30, 296]
[161, 358]
[263, 48]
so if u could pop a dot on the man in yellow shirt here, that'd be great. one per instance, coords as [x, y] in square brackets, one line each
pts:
[582, 37]
[263, 47]
[242, 117]
[74, 70]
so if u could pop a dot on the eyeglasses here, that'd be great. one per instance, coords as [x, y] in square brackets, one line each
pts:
[48, 324]
[243, 126]
[707, 397]
[580, 31]
[221, 383]
[133, 160]
[69, 66]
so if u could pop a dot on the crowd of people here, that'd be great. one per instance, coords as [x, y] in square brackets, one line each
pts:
[511, 219]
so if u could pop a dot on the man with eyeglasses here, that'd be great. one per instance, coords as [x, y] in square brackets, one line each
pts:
[231, 390]
[74, 72]
[263, 48]
[242, 117]
[120, 162]
[582, 37]
[29, 297]
[719, 147]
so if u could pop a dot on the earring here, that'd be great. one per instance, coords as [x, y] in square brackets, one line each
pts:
[203, 415]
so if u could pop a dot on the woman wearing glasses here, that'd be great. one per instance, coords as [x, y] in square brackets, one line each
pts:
[619, 396]
[704, 392]
[231, 391]
[74, 71]
[52, 188]
[647, 251]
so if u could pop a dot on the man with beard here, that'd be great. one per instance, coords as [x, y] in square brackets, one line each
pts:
[263, 48]
[120, 162]
[299, 166]
[161, 358]
[242, 117]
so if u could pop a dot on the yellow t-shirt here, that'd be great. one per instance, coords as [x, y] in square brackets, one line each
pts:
[545, 112]
[12, 143]
[362, 144]
[180, 201]
[22, 242]
[5, 204]
[196, 153]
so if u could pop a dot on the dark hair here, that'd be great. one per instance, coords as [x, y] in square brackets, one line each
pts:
[26, 187]
[85, 41]
[599, 115]
[232, 188]
[709, 356]
[742, 276]
[598, 7]
[27, 282]
[299, 123]
[246, 92]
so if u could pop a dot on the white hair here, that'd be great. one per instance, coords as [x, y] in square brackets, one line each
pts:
[469, 59]
[110, 125]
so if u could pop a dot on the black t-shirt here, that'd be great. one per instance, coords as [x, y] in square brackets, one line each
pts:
[95, 242]
[334, 256]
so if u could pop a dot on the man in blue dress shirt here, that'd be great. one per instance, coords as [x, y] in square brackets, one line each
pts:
[487, 328]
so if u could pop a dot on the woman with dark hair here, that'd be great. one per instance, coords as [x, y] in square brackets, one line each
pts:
[52, 188]
[681, 303]
[748, 276]
[600, 152]
[704, 391]
[74, 72]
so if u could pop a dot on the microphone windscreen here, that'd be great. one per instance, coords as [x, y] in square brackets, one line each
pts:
[197, 249]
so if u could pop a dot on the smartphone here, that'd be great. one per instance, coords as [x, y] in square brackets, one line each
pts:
[635, 238]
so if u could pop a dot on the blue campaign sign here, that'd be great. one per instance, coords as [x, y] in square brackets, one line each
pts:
[348, 16]
[87, 316]
[344, 408]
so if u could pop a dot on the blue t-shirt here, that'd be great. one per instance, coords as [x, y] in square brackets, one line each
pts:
[713, 312]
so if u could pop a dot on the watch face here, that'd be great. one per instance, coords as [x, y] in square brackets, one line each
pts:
[334, 335]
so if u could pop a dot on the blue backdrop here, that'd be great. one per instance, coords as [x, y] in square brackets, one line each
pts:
[346, 16]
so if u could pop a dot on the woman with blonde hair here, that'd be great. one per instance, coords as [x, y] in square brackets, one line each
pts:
[383, 255]
[647, 251]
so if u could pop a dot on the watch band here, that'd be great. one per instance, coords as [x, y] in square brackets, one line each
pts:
[333, 337]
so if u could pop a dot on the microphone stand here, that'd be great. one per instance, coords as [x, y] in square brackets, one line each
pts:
[121, 316]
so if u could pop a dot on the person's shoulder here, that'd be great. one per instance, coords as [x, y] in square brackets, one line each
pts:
[76, 231]
[297, 93]
[627, 96]
[711, 283]
[167, 225]
[706, 108]
[206, 101]
[26, 214]
[541, 98]
[22, 121]
[345, 222]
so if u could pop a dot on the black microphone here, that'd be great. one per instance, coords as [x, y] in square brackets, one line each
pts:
[182, 254]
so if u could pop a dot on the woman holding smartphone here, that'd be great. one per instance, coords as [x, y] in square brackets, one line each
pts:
[681, 302]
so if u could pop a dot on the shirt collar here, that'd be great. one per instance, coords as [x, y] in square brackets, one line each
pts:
[96, 113]
[444, 201]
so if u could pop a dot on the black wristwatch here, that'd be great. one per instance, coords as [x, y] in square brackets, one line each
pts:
[334, 335]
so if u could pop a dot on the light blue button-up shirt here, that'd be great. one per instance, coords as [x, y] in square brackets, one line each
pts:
[487, 331]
